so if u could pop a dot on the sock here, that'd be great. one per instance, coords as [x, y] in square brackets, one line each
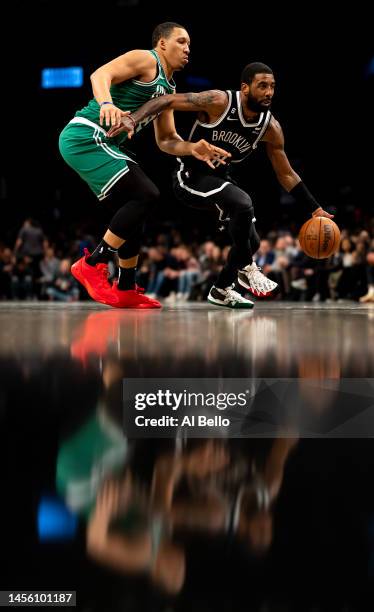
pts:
[226, 277]
[102, 254]
[126, 279]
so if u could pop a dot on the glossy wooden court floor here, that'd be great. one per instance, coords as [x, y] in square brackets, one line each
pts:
[276, 339]
[62, 369]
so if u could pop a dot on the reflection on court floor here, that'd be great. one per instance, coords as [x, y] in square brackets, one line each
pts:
[271, 522]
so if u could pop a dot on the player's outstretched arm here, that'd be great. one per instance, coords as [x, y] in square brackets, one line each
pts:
[212, 102]
[286, 175]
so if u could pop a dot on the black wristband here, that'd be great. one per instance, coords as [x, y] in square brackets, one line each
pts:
[303, 196]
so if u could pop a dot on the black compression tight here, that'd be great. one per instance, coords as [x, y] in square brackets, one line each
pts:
[237, 205]
[136, 195]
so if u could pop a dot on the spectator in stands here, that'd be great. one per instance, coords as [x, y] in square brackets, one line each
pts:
[64, 287]
[49, 268]
[30, 243]
[369, 296]
[6, 268]
[22, 287]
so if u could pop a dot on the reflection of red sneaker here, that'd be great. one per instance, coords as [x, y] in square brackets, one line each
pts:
[98, 331]
[132, 298]
[94, 279]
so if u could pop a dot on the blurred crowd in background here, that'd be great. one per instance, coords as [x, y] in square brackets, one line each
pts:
[37, 266]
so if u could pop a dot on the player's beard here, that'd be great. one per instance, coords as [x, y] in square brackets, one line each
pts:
[255, 106]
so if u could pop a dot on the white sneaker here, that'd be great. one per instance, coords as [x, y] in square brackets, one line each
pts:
[300, 284]
[228, 298]
[369, 297]
[257, 283]
[171, 298]
[182, 297]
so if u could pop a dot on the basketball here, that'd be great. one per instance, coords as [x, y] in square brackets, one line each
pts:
[319, 237]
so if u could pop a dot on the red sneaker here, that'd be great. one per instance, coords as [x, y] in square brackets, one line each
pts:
[94, 279]
[131, 298]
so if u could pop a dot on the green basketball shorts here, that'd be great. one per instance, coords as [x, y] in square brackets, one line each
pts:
[85, 146]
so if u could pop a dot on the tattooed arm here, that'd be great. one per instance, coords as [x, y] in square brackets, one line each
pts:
[210, 103]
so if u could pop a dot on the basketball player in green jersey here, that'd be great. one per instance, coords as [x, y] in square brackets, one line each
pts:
[237, 121]
[120, 87]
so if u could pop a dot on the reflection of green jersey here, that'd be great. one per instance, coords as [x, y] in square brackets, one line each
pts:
[85, 459]
[129, 96]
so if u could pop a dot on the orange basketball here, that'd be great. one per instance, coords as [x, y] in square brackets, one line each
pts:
[319, 237]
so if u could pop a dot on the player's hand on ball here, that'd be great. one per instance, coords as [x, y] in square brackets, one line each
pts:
[319, 212]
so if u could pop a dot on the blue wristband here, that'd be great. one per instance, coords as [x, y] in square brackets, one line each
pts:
[101, 103]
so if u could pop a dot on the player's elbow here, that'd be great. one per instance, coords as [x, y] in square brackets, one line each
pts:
[100, 73]
[166, 141]
[160, 142]
[93, 75]
[164, 145]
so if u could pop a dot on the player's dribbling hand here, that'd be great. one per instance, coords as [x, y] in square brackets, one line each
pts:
[110, 115]
[319, 212]
[209, 153]
[126, 124]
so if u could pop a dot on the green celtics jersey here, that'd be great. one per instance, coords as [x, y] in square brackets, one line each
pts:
[130, 95]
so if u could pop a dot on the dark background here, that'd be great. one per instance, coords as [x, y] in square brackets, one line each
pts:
[323, 100]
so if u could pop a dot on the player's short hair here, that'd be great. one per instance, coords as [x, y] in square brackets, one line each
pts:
[252, 69]
[163, 30]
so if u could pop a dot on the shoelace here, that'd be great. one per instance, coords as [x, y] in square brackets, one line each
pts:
[264, 280]
[257, 269]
